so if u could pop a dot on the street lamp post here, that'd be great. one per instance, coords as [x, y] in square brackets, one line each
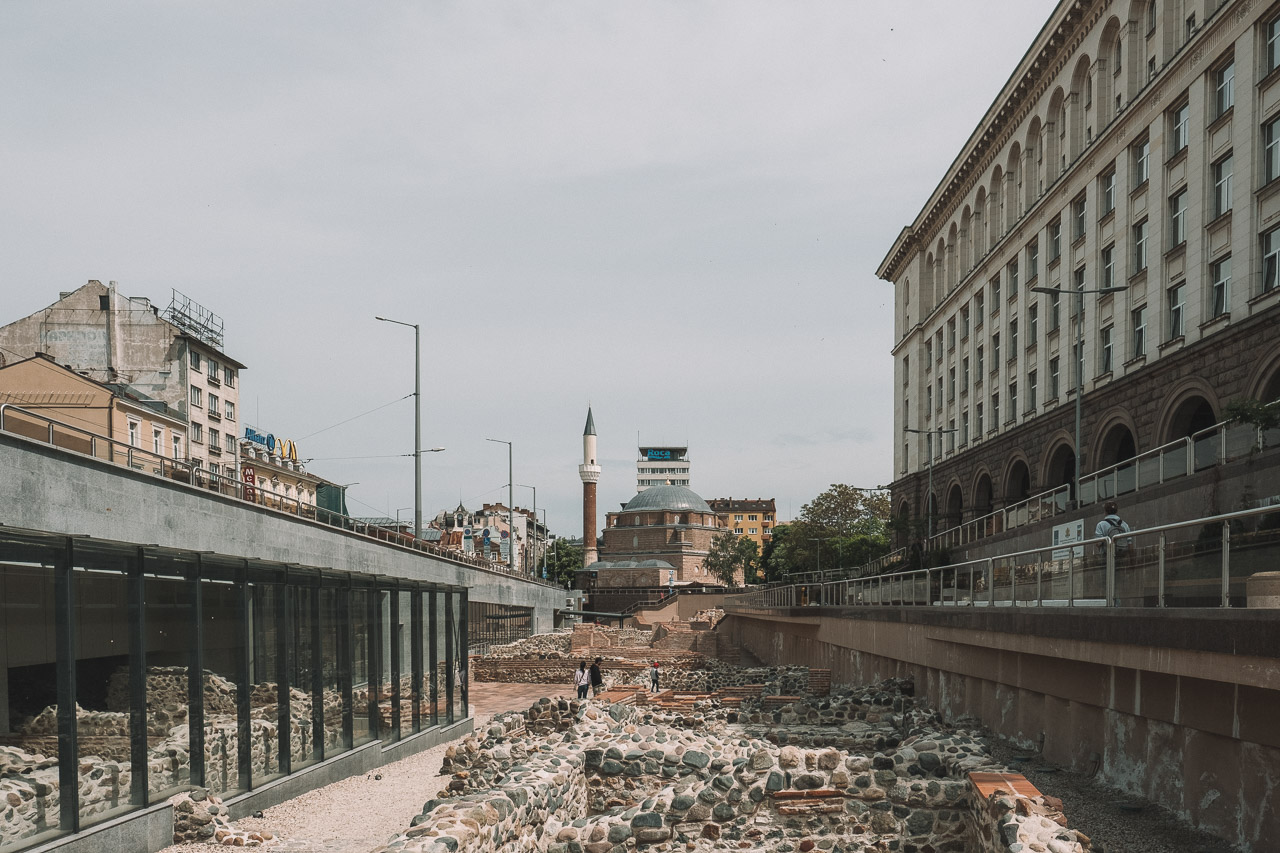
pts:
[1079, 365]
[929, 498]
[511, 503]
[544, 543]
[417, 423]
[819, 555]
[398, 511]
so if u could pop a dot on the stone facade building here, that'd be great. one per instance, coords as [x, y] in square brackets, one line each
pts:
[173, 356]
[1135, 150]
[668, 523]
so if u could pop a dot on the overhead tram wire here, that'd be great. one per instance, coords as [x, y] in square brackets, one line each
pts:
[356, 417]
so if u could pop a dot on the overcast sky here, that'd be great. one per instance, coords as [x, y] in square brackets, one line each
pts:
[672, 211]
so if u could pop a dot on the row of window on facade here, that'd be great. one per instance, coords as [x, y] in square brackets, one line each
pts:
[217, 374]
[940, 267]
[217, 409]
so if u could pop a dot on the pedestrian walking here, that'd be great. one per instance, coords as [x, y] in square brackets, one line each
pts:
[582, 680]
[1113, 526]
[597, 678]
[653, 678]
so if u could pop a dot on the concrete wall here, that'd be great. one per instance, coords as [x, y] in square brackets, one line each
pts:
[1170, 705]
[44, 488]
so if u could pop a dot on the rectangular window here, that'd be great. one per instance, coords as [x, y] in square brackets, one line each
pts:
[1079, 285]
[214, 371]
[951, 385]
[1033, 323]
[752, 531]
[964, 428]
[977, 420]
[1053, 378]
[197, 433]
[977, 362]
[177, 447]
[995, 411]
[1012, 270]
[1178, 219]
[1013, 401]
[1077, 218]
[951, 436]
[951, 333]
[995, 352]
[1109, 266]
[964, 375]
[1220, 287]
[1191, 26]
[229, 442]
[1271, 150]
[964, 322]
[1224, 88]
[938, 347]
[1033, 259]
[753, 518]
[215, 440]
[1104, 349]
[195, 360]
[1055, 241]
[157, 441]
[906, 378]
[1178, 128]
[134, 440]
[738, 517]
[1272, 31]
[1141, 163]
[215, 407]
[1270, 259]
[928, 399]
[938, 404]
[1031, 391]
[196, 396]
[231, 410]
[1055, 312]
[995, 295]
[979, 308]
[1013, 337]
[228, 377]
[928, 352]
[1222, 186]
[1174, 300]
[1140, 246]
[1108, 187]
[1139, 323]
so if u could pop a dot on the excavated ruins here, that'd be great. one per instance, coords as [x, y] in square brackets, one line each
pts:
[725, 757]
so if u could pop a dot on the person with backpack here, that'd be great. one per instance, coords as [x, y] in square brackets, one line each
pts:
[597, 678]
[1113, 526]
[582, 680]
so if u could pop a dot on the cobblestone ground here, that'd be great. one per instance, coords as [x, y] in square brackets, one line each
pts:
[356, 815]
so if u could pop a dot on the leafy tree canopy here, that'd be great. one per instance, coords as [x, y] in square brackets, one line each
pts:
[563, 560]
[732, 556]
[843, 527]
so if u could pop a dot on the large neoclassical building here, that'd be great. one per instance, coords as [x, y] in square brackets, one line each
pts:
[1134, 149]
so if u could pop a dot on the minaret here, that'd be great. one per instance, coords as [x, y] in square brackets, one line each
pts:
[589, 471]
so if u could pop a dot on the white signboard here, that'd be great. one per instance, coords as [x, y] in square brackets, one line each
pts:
[1065, 534]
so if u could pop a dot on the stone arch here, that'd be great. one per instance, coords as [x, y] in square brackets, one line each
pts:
[955, 507]
[1054, 136]
[1110, 80]
[1060, 467]
[966, 240]
[1079, 106]
[1034, 180]
[1117, 442]
[997, 214]
[927, 300]
[1264, 385]
[979, 225]
[1017, 480]
[983, 499]
[1014, 192]
[952, 272]
[1190, 407]
[1135, 47]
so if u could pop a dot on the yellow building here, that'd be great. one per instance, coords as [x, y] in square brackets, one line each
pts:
[81, 414]
[754, 519]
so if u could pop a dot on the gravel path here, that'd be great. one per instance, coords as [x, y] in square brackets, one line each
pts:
[1116, 822]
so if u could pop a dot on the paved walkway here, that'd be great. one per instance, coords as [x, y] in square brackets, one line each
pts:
[358, 814]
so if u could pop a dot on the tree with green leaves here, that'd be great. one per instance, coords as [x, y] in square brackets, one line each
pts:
[732, 557]
[843, 527]
[563, 560]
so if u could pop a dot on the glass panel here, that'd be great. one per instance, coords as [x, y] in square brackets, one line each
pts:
[1175, 461]
[223, 648]
[330, 625]
[265, 604]
[387, 627]
[302, 735]
[28, 688]
[102, 679]
[1148, 471]
[1193, 566]
[360, 687]
[1207, 446]
[1088, 491]
[1126, 478]
[446, 670]
[433, 651]
[460, 658]
[1241, 441]
[170, 639]
[404, 639]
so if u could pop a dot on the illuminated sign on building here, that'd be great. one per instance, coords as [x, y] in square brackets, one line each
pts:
[282, 447]
[663, 454]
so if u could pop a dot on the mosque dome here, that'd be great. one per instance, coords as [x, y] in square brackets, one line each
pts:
[675, 498]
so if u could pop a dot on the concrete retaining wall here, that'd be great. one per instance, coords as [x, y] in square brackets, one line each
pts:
[48, 489]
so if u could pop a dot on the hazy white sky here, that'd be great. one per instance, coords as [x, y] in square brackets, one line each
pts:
[671, 210]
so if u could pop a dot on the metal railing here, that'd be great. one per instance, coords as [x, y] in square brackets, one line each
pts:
[1204, 562]
[1217, 445]
[38, 427]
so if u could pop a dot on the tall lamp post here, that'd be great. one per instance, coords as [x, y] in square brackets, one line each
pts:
[544, 543]
[533, 564]
[417, 423]
[511, 503]
[1079, 365]
[929, 498]
[820, 541]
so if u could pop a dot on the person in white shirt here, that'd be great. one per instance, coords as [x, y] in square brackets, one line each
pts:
[582, 680]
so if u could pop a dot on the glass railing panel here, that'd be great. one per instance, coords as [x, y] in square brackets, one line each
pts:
[1175, 461]
[1207, 446]
[1193, 565]
[1089, 491]
[1126, 479]
[1148, 471]
[1242, 440]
